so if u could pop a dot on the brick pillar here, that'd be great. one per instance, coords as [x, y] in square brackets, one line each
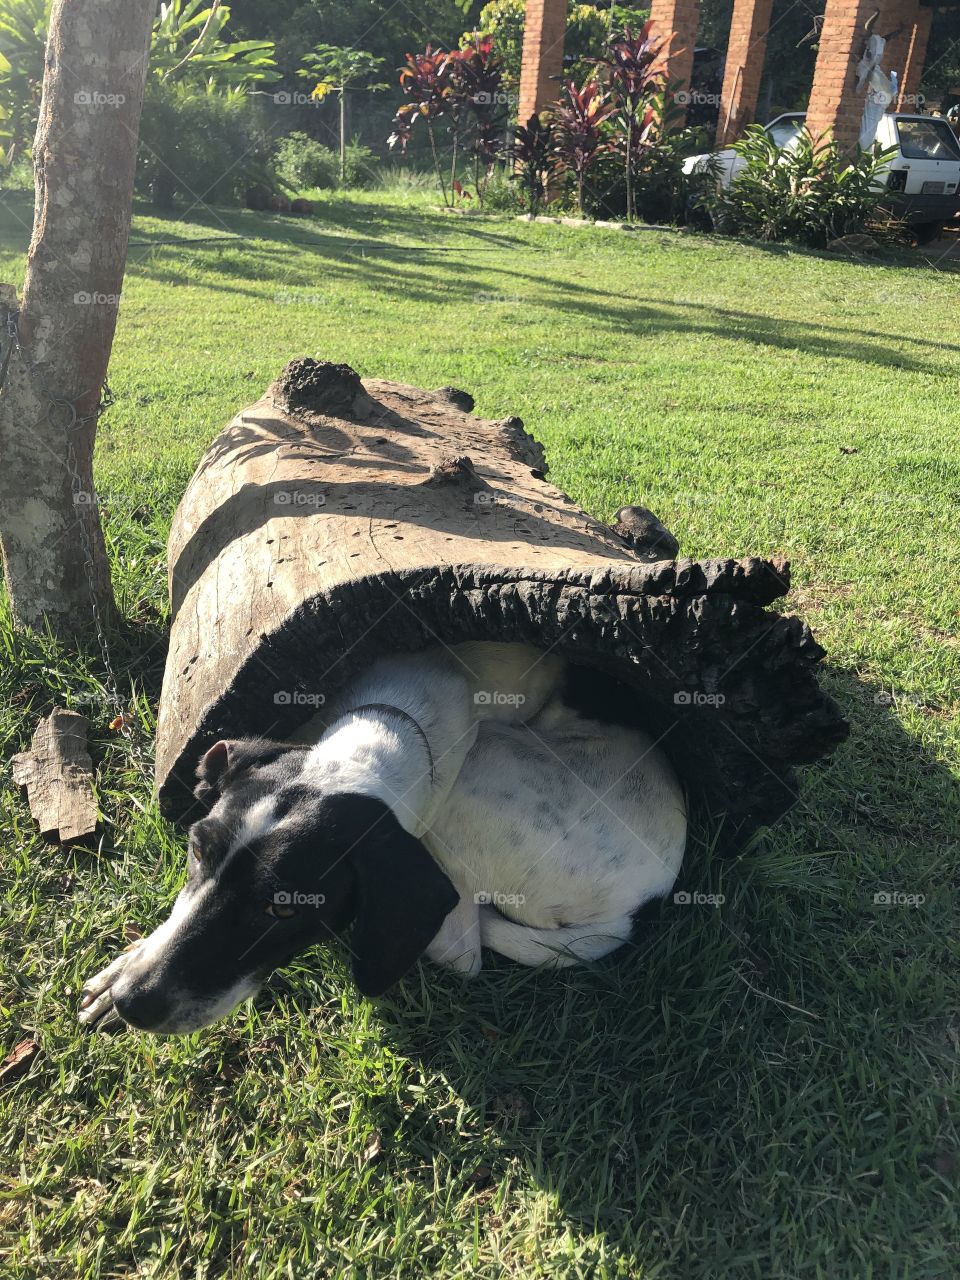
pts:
[835, 105]
[746, 51]
[681, 18]
[898, 46]
[545, 26]
[911, 73]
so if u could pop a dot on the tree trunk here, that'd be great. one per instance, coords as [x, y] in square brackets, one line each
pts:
[343, 135]
[84, 159]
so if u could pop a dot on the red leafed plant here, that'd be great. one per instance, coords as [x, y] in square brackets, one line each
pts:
[628, 69]
[427, 83]
[478, 96]
[534, 158]
[578, 120]
[464, 86]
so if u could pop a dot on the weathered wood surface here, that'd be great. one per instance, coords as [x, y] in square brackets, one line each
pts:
[58, 774]
[334, 520]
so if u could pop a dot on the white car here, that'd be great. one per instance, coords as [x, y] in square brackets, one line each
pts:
[923, 177]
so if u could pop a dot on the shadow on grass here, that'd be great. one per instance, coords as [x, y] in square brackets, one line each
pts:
[395, 271]
[725, 1054]
[373, 258]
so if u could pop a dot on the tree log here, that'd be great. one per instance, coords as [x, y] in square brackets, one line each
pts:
[58, 774]
[84, 159]
[336, 519]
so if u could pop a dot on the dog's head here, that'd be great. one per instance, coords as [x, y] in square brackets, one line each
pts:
[276, 866]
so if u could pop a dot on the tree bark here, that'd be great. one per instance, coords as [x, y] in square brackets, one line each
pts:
[336, 520]
[84, 160]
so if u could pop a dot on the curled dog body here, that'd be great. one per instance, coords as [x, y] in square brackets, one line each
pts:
[448, 800]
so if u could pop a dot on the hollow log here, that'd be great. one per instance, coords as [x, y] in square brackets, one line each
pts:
[337, 519]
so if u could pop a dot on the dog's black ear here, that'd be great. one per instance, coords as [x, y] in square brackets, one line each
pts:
[227, 758]
[402, 900]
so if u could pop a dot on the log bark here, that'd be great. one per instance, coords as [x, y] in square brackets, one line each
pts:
[336, 520]
[58, 774]
[84, 161]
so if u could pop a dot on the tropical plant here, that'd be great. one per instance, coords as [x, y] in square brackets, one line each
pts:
[203, 144]
[300, 161]
[579, 137]
[337, 69]
[807, 193]
[427, 83]
[534, 159]
[464, 87]
[23, 38]
[477, 101]
[189, 42]
[628, 69]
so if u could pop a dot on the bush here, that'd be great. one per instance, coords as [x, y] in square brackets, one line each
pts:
[808, 193]
[662, 189]
[189, 135]
[503, 194]
[363, 166]
[303, 162]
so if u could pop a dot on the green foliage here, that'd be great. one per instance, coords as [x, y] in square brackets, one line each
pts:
[362, 165]
[200, 144]
[337, 68]
[806, 193]
[300, 161]
[23, 33]
[190, 42]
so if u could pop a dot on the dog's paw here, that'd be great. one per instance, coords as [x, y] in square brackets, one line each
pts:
[97, 1010]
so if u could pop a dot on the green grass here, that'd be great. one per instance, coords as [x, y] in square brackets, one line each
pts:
[767, 1089]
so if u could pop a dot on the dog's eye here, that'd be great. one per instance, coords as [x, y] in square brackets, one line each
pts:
[281, 910]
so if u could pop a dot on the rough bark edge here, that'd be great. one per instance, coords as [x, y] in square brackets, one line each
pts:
[694, 628]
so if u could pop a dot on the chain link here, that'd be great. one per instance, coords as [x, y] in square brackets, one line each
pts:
[129, 725]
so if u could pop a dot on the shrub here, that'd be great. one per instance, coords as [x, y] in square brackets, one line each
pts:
[302, 162]
[535, 160]
[807, 193]
[502, 193]
[580, 139]
[190, 134]
[362, 165]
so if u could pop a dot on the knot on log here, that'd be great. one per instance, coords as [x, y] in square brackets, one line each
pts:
[318, 386]
[522, 446]
[461, 400]
[458, 470]
[649, 537]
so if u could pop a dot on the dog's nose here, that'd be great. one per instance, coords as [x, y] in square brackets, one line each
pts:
[142, 1007]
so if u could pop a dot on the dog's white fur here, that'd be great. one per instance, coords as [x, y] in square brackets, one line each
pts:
[553, 828]
[566, 824]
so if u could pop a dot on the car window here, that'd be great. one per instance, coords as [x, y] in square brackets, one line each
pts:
[927, 140]
[783, 132]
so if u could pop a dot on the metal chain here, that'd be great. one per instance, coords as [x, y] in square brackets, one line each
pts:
[74, 423]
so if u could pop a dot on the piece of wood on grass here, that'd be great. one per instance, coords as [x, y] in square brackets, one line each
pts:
[58, 774]
[17, 1063]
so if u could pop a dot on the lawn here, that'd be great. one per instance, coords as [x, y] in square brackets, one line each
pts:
[767, 1089]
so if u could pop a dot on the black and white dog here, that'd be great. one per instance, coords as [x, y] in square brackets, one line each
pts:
[450, 800]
